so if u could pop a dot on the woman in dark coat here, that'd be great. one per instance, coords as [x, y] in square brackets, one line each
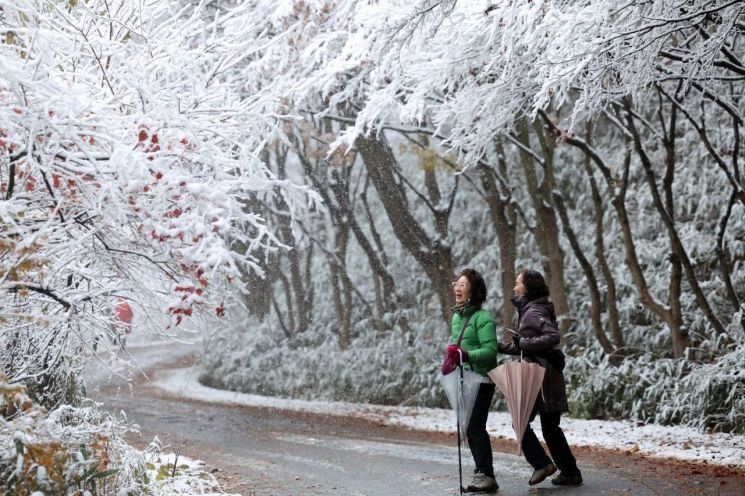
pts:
[536, 338]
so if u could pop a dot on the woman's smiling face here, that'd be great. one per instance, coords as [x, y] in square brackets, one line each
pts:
[519, 286]
[462, 289]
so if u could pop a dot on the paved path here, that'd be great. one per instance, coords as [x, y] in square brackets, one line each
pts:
[267, 452]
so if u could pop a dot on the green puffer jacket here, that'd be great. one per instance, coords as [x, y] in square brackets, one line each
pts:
[479, 338]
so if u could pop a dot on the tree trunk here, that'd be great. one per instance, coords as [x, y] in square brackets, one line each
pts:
[725, 264]
[611, 293]
[678, 333]
[592, 283]
[382, 278]
[434, 255]
[547, 229]
[342, 286]
[298, 290]
[504, 218]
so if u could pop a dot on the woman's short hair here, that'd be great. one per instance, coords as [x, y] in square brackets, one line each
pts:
[478, 286]
[535, 284]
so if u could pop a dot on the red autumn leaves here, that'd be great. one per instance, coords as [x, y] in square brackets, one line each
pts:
[175, 229]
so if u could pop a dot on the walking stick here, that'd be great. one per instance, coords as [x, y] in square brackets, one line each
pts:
[457, 422]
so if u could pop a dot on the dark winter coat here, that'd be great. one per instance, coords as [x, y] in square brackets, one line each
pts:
[479, 338]
[538, 335]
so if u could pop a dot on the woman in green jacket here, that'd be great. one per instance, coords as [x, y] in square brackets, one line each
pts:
[478, 347]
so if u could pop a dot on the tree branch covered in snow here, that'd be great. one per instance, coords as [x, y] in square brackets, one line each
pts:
[619, 219]
[128, 162]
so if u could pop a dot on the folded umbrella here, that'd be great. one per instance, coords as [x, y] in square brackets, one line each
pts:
[461, 390]
[520, 382]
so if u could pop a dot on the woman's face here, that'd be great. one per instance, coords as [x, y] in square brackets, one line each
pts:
[462, 289]
[519, 286]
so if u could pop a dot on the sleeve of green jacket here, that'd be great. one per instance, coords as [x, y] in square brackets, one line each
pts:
[487, 332]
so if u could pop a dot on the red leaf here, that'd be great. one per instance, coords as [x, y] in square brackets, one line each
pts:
[175, 213]
[31, 183]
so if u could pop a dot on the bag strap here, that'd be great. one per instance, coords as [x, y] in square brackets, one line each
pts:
[463, 329]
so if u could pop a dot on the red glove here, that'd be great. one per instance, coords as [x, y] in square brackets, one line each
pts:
[455, 356]
[447, 365]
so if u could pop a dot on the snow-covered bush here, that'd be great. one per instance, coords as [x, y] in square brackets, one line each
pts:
[647, 387]
[711, 396]
[81, 450]
[391, 366]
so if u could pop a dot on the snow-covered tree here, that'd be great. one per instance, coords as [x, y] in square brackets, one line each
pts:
[129, 171]
[602, 140]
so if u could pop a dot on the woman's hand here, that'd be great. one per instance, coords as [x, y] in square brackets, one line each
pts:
[453, 354]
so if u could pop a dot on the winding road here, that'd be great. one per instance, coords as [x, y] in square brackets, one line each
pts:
[258, 451]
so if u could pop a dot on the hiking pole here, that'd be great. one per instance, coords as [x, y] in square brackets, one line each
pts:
[457, 422]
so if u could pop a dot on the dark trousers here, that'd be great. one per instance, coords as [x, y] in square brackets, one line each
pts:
[556, 442]
[478, 438]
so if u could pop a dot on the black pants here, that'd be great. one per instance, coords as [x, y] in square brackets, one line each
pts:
[556, 442]
[478, 438]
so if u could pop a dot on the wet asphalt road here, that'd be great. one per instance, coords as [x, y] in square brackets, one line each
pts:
[269, 452]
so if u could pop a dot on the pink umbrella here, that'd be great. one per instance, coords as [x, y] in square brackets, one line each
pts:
[520, 382]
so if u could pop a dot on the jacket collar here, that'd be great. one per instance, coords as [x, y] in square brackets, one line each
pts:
[469, 309]
[519, 301]
[543, 300]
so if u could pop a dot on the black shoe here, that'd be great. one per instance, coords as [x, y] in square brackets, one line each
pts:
[567, 480]
[539, 475]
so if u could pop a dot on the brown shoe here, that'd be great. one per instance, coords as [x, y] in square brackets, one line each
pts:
[567, 480]
[539, 475]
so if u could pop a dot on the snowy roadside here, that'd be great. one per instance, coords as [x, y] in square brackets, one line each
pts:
[653, 440]
[177, 475]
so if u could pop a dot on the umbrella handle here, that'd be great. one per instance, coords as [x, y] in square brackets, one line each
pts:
[460, 356]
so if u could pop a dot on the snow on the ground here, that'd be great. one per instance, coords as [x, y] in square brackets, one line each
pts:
[172, 475]
[653, 440]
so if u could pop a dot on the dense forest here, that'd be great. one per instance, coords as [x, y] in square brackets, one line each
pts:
[605, 151]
